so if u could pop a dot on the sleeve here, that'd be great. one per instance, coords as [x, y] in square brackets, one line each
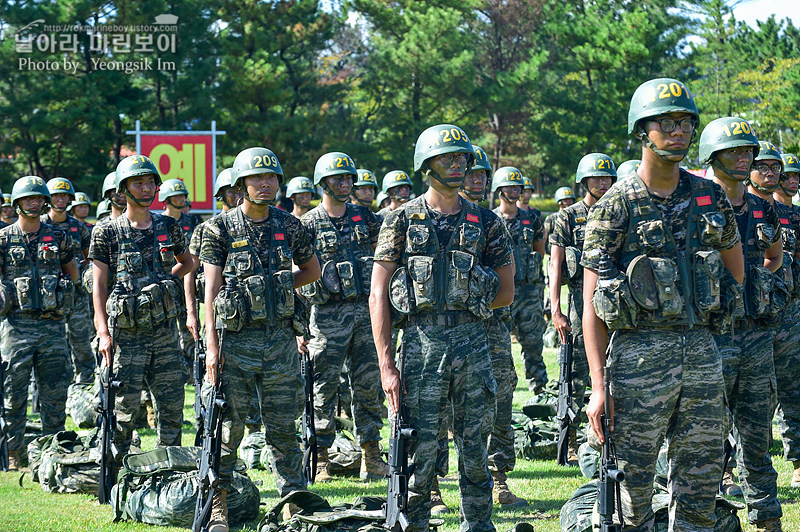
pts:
[497, 252]
[197, 239]
[606, 229]
[100, 245]
[392, 237]
[308, 223]
[538, 228]
[730, 234]
[374, 225]
[66, 250]
[302, 243]
[86, 237]
[214, 247]
[772, 217]
[560, 234]
[176, 235]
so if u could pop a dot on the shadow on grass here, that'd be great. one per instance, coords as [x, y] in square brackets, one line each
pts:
[561, 472]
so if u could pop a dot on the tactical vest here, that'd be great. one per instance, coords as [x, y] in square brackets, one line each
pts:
[671, 287]
[73, 227]
[787, 219]
[572, 272]
[346, 270]
[759, 282]
[187, 225]
[265, 285]
[35, 284]
[144, 295]
[528, 262]
[435, 278]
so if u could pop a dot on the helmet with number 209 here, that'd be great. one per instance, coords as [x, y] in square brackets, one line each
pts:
[253, 161]
[444, 138]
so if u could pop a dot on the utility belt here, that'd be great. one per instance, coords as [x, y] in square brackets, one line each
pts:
[529, 268]
[648, 294]
[45, 294]
[445, 318]
[340, 281]
[255, 299]
[152, 306]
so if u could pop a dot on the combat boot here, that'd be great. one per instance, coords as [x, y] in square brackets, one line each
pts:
[322, 466]
[769, 525]
[796, 474]
[572, 447]
[438, 507]
[219, 512]
[372, 465]
[501, 494]
[13, 461]
[729, 486]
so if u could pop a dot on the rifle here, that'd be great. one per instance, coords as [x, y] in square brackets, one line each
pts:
[198, 372]
[3, 422]
[608, 490]
[107, 420]
[208, 462]
[729, 447]
[399, 471]
[566, 413]
[308, 431]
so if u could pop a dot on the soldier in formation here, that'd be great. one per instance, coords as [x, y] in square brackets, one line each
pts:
[300, 190]
[397, 187]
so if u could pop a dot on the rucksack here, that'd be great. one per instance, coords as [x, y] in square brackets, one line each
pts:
[82, 403]
[65, 462]
[365, 514]
[160, 487]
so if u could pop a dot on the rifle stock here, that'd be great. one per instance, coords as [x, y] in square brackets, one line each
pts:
[610, 477]
[199, 371]
[308, 431]
[565, 413]
[109, 385]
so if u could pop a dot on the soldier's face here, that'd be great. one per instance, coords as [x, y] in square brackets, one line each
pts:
[186, 208]
[564, 203]
[674, 140]
[451, 167]
[401, 192]
[262, 187]
[32, 204]
[302, 199]
[60, 201]
[179, 201]
[790, 182]
[143, 188]
[117, 198]
[525, 195]
[233, 196]
[475, 181]
[340, 184]
[365, 194]
[81, 211]
[597, 185]
[763, 173]
[740, 158]
[512, 193]
[8, 212]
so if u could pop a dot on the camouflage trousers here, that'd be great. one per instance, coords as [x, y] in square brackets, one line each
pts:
[450, 367]
[38, 345]
[580, 365]
[749, 373]
[187, 344]
[528, 322]
[667, 385]
[261, 361]
[786, 354]
[80, 330]
[340, 332]
[149, 359]
[501, 441]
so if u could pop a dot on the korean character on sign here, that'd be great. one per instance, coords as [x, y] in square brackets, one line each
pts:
[98, 42]
[68, 42]
[121, 43]
[143, 43]
[166, 43]
[46, 43]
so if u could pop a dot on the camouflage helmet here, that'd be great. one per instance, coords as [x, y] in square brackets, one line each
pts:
[6, 200]
[437, 140]
[725, 133]
[110, 183]
[564, 193]
[628, 167]
[767, 151]
[223, 180]
[27, 186]
[507, 176]
[299, 184]
[60, 185]
[395, 178]
[172, 187]
[791, 164]
[253, 161]
[334, 163]
[595, 165]
[366, 179]
[481, 159]
[81, 198]
[381, 198]
[135, 166]
[103, 208]
[528, 183]
[657, 97]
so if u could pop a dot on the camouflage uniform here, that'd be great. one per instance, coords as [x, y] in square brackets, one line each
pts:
[786, 349]
[147, 354]
[261, 359]
[33, 339]
[549, 224]
[568, 231]
[666, 375]
[527, 311]
[79, 320]
[501, 441]
[749, 371]
[447, 359]
[340, 324]
[187, 223]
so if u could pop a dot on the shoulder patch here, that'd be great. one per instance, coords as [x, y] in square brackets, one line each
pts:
[702, 201]
[758, 214]
[473, 218]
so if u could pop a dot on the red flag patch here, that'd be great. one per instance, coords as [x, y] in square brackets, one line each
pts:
[357, 218]
[526, 222]
[758, 214]
[702, 201]
[784, 221]
[162, 238]
[186, 228]
[472, 218]
[73, 229]
[280, 236]
[47, 238]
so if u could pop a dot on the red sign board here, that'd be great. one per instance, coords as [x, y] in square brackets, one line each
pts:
[184, 157]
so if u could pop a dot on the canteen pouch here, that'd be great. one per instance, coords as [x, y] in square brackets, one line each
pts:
[283, 293]
[651, 234]
[150, 307]
[87, 280]
[65, 294]
[348, 280]
[731, 304]
[329, 277]
[458, 278]
[230, 310]
[614, 304]
[483, 286]
[420, 269]
[759, 288]
[711, 226]
[122, 309]
[665, 274]
[255, 290]
[572, 261]
[48, 288]
[25, 296]
[365, 270]
[315, 293]
[708, 268]
[400, 296]
[417, 237]
[172, 297]
[167, 257]
[765, 235]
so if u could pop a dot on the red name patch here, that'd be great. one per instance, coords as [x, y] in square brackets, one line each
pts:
[162, 238]
[357, 218]
[280, 236]
[526, 222]
[758, 214]
[702, 201]
[186, 228]
[785, 221]
[73, 229]
[472, 218]
[47, 238]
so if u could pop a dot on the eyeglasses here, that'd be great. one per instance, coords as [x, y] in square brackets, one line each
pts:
[668, 125]
[774, 168]
[448, 159]
[339, 179]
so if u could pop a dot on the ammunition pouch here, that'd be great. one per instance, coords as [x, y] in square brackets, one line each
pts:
[255, 290]
[173, 297]
[731, 304]
[283, 294]
[315, 293]
[48, 296]
[150, 307]
[765, 235]
[572, 264]
[483, 286]
[459, 265]
[710, 228]
[653, 284]
[348, 280]
[65, 295]
[230, 310]
[614, 304]
[708, 268]
[24, 287]
[122, 309]
[420, 270]
[785, 273]
[759, 292]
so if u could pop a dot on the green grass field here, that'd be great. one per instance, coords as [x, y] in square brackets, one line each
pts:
[545, 485]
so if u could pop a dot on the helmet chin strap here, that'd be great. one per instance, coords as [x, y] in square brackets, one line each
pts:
[448, 182]
[144, 202]
[169, 202]
[505, 196]
[362, 202]
[738, 175]
[666, 153]
[30, 214]
[338, 197]
[255, 201]
[787, 192]
[474, 196]
[761, 188]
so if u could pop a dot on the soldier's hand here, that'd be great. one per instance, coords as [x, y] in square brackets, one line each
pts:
[390, 380]
[105, 347]
[193, 324]
[212, 355]
[596, 409]
[302, 345]
[562, 325]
